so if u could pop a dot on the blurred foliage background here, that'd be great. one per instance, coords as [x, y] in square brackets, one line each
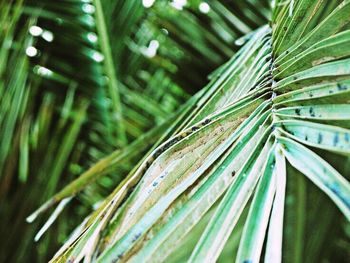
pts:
[85, 81]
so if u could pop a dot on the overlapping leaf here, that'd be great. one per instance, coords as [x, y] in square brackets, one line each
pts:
[282, 96]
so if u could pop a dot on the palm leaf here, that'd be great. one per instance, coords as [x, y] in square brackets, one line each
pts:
[87, 90]
[160, 203]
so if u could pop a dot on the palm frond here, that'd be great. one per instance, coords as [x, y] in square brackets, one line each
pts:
[87, 90]
[238, 143]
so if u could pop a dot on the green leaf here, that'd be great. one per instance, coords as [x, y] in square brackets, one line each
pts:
[273, 251]
[332, 69]
[294, 230]
[227, 214]
[258, 218]
[110, 71]
[320, 173]
[322, 136]
[316, 112]
[324, 51]
[184, 216]
[331, 25]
